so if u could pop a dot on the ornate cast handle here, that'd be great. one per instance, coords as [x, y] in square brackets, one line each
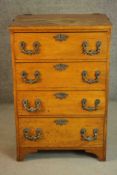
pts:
[89, 108]
[91, 52]
[27, 107]
[90, 81]
[61, 95]
[30, 81]
[36, 48]
[89, 138]
[61, 37]
[60, 67]
[61, 122]
[37, 136]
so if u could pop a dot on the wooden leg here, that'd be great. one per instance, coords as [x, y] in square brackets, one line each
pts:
[23, 152]
[99, 152]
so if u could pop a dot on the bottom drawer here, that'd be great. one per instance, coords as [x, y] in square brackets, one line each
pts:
[60, 133]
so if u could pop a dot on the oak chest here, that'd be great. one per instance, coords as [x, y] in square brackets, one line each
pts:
[61, 68]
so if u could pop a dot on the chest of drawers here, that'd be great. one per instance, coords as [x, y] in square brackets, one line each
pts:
[60, 70]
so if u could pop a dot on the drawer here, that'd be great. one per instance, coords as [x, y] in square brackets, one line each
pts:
[61, 103]
[78, 76]
[67, 132]
[60, 46]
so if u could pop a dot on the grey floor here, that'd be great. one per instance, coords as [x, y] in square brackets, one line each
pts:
[51, 163]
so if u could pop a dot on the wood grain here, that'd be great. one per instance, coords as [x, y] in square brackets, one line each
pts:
[69, 22]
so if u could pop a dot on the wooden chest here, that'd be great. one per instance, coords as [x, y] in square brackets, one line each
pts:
[61, 70]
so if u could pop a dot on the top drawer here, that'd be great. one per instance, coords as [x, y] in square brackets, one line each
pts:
[60, 46]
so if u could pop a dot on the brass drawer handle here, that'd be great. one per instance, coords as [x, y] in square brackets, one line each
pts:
[91, 52]
[27, 107]
[89, 108]
[36, 48]
[24, 75]
[90, 81]
[61, 122]
[60, 67]
[89, 138]
[60, 37]
[61, 95]
[37, 136]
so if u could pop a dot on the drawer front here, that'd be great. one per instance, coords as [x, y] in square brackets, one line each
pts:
[80, 76]
[61, 103]
[55, 46]
[68, 132]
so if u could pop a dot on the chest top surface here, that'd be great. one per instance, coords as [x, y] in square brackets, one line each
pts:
[68, 21]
